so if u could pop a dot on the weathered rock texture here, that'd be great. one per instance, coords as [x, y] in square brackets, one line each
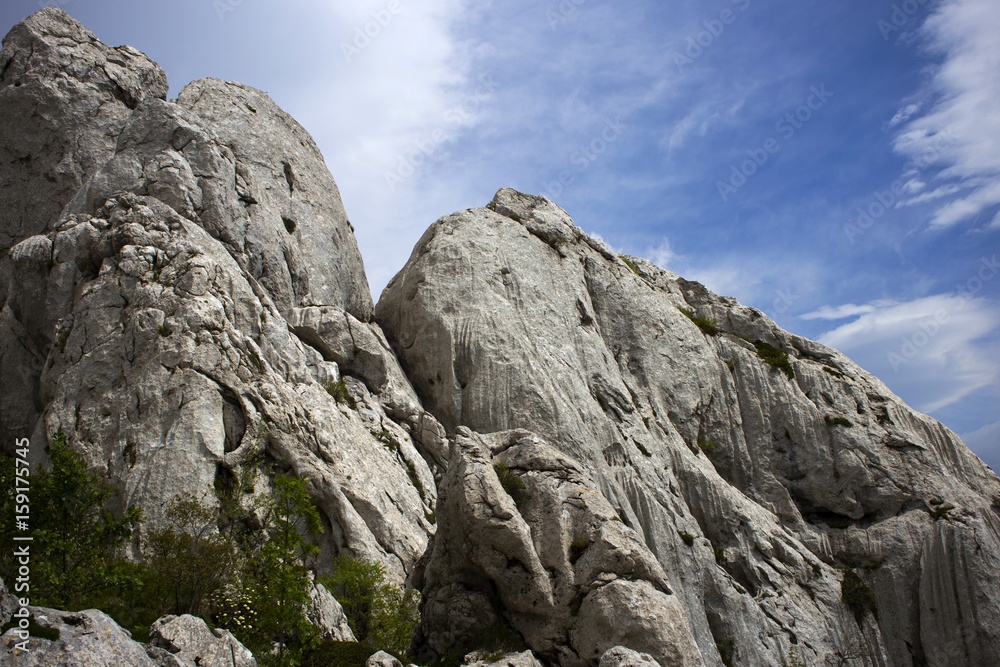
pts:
[528, 543]
[181, 291]
[144, 320]
[748, 483]
[188, 639]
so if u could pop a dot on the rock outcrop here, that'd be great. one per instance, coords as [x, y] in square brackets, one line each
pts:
[189, 640]
[144, 321]
[757, 466]
[632, 469]
[529, 547]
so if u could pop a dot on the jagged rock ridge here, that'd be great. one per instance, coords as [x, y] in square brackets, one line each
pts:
[181, 285]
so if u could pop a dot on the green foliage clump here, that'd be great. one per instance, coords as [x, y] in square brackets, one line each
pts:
[775, 357]
[708, 326]
[793, 659]
[707, 446]
[834, 372]
[189, 559]
[340, 393]
[577, 547]
[381, 614]
[289, 224]
[837, 421]
[720, 554]
[686, 537]
[78, 548]
[725, 649]
[645, 452]
[630, 264]
[511, 483]
[854, 593]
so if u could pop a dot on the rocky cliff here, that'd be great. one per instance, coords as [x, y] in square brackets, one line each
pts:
[614, 456]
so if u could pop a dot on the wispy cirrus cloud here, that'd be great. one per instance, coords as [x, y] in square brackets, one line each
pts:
[963, 95]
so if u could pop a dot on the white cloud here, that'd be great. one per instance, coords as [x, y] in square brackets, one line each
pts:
[904, 114]
[960, 131]
[839, 312]
[662, 255]
[933, 351]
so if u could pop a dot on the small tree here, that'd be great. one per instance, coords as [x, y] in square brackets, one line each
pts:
[190, 559]
[381, 614]
[77, 552]
[266, 608]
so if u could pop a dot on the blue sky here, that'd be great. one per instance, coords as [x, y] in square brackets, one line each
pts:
[836, 165]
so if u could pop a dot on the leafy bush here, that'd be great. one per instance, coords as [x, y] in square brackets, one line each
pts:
[686, 537]
[77, 553]
[189, 558]
[854, 593]
[707, 446]
[775, 357]
[340, 393]
[630, 264]
[511, 483]
[708, 326]
[577, 547]
[381, 614]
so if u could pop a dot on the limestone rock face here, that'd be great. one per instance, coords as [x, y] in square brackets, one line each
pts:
[515, 659]
[528, 541]
[64, 99]
[619, 656]
[189, 640]
[751, 462]
[145, 322]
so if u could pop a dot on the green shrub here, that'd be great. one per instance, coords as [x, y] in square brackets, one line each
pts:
[837, 421]
[645, 452]
[725, 648]
[77, 553]
[854, 593]
[289, 224]
[511, 483]
[775, 357]
[686, 537]
[189, 559]
[630, 264]
[340, 393]
[381, 614]
[707, 446]
[708, 326]
[834, 372]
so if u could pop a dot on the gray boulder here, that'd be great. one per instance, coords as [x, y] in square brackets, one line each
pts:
[189, 640]
[511, 659]
[619, 656]
[382, 659]
[86, 639]
[519, 518]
